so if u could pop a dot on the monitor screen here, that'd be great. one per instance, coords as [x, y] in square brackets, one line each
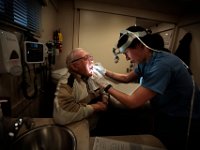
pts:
[34, 52]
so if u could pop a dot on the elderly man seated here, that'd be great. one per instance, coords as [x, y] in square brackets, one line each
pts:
[76, 95]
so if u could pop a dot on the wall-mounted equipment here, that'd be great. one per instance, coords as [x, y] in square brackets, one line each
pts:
[34, 52]
[10, 58]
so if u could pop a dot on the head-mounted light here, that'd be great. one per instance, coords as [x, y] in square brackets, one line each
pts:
[131, 37]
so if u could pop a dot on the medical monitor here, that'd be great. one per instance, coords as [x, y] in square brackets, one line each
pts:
[34, 52]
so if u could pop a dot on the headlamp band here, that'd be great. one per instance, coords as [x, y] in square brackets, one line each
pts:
[131, 37]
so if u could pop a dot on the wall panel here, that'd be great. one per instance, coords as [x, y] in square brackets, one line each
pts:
[98, 34]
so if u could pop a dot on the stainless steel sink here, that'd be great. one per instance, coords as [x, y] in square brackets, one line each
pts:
[48, 137]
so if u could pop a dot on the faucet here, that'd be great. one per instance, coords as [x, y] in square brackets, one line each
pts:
[16, 126]
[7, 135]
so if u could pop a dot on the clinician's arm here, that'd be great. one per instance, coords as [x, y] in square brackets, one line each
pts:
[138, 98]
[127, 77]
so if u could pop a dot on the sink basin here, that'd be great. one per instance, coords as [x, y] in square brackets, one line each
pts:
[48, 137]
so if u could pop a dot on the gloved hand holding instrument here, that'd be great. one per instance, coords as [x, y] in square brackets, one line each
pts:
[98, 67]
[99, 78]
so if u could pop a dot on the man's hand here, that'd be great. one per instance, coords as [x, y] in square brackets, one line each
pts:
[100, 106]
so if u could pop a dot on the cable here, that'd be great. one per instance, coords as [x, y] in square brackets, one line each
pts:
[190, 115]
[24, 84]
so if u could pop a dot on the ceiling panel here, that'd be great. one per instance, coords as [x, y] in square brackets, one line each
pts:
[174, 7]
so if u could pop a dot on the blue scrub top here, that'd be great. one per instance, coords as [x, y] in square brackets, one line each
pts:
[166, 75]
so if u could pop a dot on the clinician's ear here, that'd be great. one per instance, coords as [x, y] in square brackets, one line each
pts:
[140, 45]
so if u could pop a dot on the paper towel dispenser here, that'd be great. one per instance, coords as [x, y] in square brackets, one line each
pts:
[10, 58]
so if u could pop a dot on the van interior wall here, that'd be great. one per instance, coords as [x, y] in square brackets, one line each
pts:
[10, 86]
[194, 29]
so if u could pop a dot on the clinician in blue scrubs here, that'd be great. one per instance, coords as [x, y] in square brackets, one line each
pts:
[167, 83]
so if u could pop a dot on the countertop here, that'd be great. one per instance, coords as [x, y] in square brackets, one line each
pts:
[85, 142]
[80, 130]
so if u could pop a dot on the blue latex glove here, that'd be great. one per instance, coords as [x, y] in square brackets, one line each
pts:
[98, 67]
[99, 79]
